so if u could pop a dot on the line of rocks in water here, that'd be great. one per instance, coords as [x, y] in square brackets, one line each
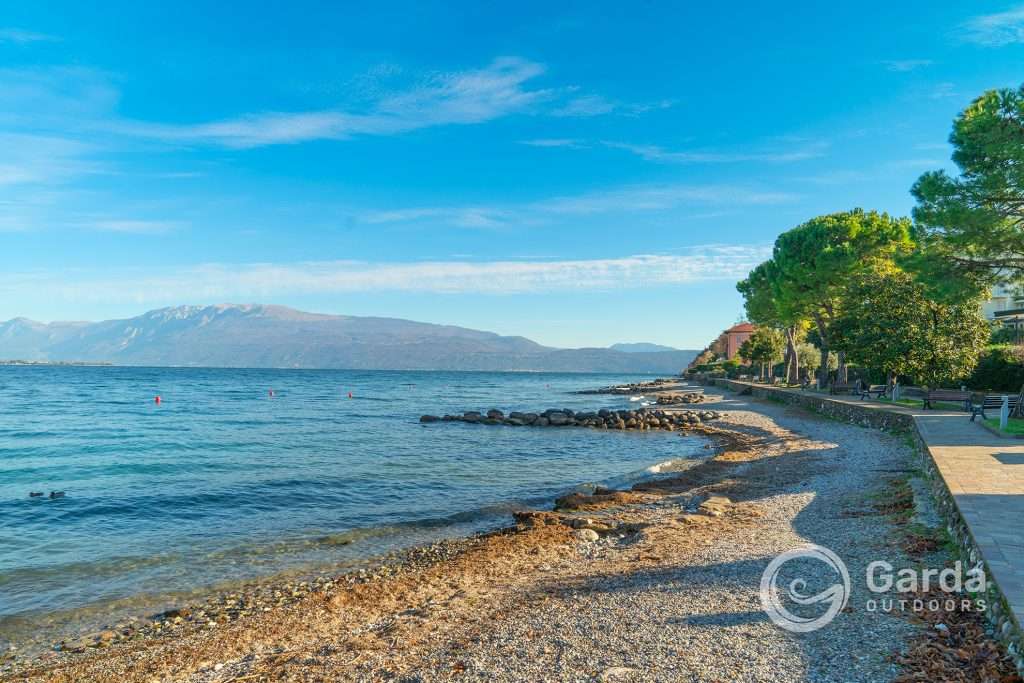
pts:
[642, 419]
[633, 388]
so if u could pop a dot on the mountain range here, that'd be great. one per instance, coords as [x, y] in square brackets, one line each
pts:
[257, 335]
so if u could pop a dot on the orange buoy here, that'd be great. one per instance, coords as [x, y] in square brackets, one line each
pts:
[157, 400]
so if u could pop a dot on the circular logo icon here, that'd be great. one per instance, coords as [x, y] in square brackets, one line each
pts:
[834, 597]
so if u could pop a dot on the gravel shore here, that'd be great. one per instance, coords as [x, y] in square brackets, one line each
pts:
[633, 586]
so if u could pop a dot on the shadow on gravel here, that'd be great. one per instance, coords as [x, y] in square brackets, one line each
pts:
[830, 478]
[729, 575]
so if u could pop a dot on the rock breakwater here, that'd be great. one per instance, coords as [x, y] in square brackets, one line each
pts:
[640, 420]
[635, 387]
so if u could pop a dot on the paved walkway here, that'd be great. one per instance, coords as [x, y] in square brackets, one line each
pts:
[985, 474]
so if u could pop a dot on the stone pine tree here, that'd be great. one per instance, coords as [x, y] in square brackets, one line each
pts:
[972, 224]
[763, 309]
[814, 263]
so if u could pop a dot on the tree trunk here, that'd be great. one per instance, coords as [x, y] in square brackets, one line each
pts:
[793, 364]
[841, 373]
[823, 338]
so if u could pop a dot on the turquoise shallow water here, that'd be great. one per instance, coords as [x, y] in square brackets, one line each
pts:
[223, 482]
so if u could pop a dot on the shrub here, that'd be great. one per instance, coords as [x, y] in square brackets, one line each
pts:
[1002, 334]
[1000, 368]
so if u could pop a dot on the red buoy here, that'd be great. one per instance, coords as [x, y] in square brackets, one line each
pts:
[350, 394]
[270, 393]
[157, 400]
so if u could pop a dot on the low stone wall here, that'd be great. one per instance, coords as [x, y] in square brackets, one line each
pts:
[1004, 624]
[868, 415]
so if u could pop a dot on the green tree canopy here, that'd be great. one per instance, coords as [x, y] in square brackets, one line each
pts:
[813, 264]
[974, 223]
[759, 297]
[764, 346]
[762, 306]
[889, 323]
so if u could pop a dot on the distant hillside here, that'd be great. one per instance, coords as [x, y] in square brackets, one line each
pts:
[640, 347]
[275, 336]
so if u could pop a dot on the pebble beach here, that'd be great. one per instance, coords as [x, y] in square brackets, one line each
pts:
[658, 582]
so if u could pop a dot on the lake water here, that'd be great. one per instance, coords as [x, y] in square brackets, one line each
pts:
[222, 481]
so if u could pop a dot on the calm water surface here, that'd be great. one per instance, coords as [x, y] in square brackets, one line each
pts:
[222, 481]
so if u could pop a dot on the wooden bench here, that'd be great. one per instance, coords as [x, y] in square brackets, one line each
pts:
[992, 402]
[962, 397]
[879, 390]
[836, 388]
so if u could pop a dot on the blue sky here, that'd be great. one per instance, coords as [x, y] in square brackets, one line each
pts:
[580, 174]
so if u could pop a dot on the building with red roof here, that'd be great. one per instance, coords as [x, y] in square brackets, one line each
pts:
[734, 338]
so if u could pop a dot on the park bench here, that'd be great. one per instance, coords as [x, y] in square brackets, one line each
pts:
[962, 397]
[992, 402]
[836, 388]
[879, 390]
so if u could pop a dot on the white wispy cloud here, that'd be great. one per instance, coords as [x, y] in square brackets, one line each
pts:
[943, 90]
[84, 101]
[660, 154]
[583, 106]
[885, 170]
[267, 281]
[995, 30]
[22, 36]
[464, 217]
[586, 105]
[64, 99]
[660, 198]
[628, 199]
[463, 97]
[906, 64]
[35, 159]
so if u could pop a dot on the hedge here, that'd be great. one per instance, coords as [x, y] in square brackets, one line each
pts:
[1000, 368]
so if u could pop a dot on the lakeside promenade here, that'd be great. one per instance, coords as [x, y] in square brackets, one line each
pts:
[983, 472]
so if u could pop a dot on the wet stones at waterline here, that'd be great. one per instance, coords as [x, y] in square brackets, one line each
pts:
[677, 399]
[640, 420]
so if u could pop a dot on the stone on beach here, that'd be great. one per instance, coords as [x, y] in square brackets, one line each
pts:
[715, 506]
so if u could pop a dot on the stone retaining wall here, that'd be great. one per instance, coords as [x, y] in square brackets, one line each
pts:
[1004, 624]
[866, 416]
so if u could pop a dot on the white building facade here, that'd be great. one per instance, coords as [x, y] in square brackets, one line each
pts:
[1005, 305]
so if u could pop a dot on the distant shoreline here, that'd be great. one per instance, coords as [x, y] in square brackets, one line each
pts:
[77, 363]
[108, 364]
